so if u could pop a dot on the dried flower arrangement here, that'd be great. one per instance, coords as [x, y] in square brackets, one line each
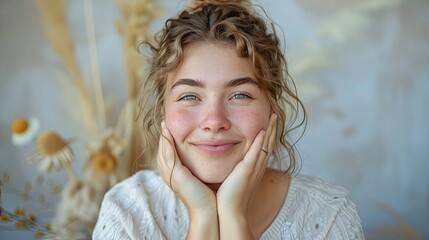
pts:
[111, 153]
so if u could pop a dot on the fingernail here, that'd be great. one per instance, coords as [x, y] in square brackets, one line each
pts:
[162, 124]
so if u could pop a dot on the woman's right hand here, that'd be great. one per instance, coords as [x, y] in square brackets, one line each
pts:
[198, 198]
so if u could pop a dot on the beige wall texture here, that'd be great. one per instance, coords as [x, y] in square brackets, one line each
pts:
[361, 66]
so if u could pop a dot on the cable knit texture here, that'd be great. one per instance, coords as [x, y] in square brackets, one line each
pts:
[143, 207]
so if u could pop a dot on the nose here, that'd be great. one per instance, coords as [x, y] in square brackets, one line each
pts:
[215, 119]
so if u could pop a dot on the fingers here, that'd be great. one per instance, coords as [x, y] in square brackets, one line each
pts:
[166, 155]
[255, 149]
[270, 138]
[166, 143]
[268, 144]
[262, 146]
[270, 135]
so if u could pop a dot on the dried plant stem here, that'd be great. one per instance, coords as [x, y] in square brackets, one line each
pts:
[125, 129]
[95, 71]
[58, 34]
[70, 173]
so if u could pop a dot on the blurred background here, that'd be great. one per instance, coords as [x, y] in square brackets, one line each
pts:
[361, 67]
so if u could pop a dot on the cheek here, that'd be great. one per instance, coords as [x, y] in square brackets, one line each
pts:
[179, 122]
[251, 122]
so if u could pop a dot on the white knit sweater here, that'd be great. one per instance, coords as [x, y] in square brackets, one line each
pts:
[144, 207]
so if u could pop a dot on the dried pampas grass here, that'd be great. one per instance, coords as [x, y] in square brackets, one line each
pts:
[58, 34]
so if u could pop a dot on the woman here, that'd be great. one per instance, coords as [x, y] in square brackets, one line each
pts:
[220, 105]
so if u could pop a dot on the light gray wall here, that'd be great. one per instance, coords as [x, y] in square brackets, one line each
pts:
[366, 96]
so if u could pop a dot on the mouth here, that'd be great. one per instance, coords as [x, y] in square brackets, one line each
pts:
[215, 147]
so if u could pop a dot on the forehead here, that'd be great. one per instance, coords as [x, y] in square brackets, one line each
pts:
[212, 62]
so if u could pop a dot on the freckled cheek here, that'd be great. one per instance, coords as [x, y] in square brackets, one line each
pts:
[180, 123]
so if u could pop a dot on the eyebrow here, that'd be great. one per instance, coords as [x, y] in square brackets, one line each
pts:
[189, 82]
[196, 83]
[240, 81]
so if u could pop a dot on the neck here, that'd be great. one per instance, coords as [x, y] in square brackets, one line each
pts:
[268, 200]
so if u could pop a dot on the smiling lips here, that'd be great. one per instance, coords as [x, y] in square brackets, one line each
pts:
[215, 147]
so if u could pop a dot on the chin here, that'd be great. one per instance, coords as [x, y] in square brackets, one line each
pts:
[212, 175]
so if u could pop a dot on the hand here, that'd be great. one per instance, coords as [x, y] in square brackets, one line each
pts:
[235, 193]
[197, 197]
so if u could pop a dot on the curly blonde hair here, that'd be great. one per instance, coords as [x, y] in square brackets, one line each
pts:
[230, 22]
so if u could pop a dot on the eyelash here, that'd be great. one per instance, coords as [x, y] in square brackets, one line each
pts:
[187, 96]
[192, 97]
[242, 95]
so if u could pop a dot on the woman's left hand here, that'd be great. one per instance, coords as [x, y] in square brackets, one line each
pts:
[235, 193]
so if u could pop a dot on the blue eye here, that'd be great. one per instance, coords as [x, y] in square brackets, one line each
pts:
[188, 97]
[240, 96]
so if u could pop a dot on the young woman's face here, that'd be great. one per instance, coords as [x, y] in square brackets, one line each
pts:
[214, 109]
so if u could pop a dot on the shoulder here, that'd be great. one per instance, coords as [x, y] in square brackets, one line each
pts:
[315, 209]
[137, 207]
[324, 208]
[137, 190]
[143, 182]
[315, 188]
